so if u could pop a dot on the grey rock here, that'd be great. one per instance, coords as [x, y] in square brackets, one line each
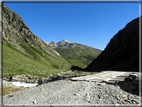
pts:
[100, 84]
[130, 96]
[44, 80]
[124, 96]
[134, 76]
[24, 78]
[34, 102]
[6, 83]
[118, 98]
[50, 93]
[5, 78]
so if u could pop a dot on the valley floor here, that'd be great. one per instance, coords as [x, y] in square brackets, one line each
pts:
[67, 92]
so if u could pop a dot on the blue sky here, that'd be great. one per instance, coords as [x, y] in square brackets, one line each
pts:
[91, 24]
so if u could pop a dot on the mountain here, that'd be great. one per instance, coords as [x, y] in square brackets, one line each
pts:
[52, 44]
[76, 54]
[24, 52]
[47, 43]
[59, 44]
[122, 52]
[63, 42]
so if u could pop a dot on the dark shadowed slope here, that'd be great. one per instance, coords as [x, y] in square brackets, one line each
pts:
[122, 52]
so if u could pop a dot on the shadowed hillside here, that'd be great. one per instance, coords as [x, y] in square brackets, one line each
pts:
[122, 52]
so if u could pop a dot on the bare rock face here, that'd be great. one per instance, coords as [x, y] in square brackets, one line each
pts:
[60, 44]
[63, 42]
[122, 52]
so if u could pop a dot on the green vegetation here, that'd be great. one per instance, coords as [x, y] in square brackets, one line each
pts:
[16, 63]
[78, 72]
[30, 51]
[78, 57]
[25, 53]
[11, 96]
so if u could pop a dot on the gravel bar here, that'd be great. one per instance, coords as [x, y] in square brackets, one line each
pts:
[67, 92]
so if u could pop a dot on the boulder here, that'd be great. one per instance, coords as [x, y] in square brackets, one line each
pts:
[5, 83]
[24, 78]
[130, 84]
[134, 76]
[6, 78]
[55, 77]
[44, 80]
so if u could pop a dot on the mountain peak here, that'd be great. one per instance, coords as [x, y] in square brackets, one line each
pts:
[53, 44]
[66, 41]
[63, 42]
[47, 43]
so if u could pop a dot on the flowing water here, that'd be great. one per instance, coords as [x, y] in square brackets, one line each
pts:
[19, 84]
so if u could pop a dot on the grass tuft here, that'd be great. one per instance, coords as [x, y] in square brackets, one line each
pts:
[7, 90]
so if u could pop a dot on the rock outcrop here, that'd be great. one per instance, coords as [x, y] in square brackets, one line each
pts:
[22, 78]
[59, 44]
[131, 84]
[122, 52]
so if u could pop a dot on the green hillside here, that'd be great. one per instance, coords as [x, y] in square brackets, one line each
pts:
[16, 63]
[79, 55]
[24, 52]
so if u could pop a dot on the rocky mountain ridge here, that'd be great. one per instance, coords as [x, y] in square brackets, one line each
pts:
[62, 43]
[67, 44]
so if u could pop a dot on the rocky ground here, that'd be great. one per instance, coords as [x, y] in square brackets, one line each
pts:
[60, 90]
[35, 79]
[72, 92]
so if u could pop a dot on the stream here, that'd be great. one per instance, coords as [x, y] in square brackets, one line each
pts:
[19, 84]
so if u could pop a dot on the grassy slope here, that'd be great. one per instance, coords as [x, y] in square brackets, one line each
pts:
[16, 63]
[24, 52]
[76, 56]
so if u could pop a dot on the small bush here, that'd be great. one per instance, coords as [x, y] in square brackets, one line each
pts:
[10, 95]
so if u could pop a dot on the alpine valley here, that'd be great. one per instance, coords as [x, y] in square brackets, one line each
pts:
[25, 53]
[76, 54]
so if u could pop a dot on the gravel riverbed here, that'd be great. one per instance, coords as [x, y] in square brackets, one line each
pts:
[72, 92]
